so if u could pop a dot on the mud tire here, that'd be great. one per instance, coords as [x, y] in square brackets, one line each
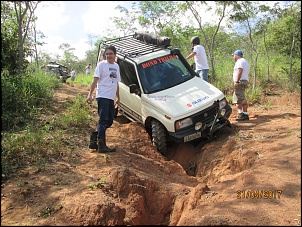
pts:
[159, 136]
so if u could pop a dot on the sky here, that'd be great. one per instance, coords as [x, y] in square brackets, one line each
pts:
[73, 21]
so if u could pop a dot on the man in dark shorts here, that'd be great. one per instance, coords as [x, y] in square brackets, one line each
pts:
[241, 80]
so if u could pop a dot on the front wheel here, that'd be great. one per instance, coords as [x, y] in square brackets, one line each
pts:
[159, 136]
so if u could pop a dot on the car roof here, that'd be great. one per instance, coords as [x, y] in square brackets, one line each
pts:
[50, 65]
[136, 50]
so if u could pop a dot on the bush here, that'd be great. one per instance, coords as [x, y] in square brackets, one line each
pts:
[39, 142]
[23, 96]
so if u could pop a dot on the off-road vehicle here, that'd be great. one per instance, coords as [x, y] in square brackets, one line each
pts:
[60, 71]
[160, 89]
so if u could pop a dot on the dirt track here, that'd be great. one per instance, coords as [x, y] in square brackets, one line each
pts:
[209, 183]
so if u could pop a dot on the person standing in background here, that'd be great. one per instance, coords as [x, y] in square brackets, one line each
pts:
[200, 58]
[241, 79]
[73, 74]
[106, 78]
[88, 69]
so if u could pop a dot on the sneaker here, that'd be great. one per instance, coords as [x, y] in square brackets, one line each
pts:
[243, 117]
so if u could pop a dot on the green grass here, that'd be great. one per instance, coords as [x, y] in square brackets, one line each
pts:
[81, 80]
[42, 139]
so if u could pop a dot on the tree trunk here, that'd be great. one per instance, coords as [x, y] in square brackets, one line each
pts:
[291, 54]
[268, 58]
[35, 46]
[255, 70]
[23, 26]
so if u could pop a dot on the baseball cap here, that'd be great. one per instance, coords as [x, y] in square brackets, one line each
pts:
[238, 52]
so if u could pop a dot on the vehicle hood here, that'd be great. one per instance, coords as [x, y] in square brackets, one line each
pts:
[185, 99]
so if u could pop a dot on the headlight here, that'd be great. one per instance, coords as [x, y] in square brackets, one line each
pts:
[183, 123]
[222, 103]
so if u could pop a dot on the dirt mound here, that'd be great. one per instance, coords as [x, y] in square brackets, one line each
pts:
[249, 174]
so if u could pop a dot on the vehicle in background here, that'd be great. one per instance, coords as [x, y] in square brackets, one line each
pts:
[59, 70]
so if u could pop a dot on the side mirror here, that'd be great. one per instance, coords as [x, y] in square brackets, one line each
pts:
[175, 51]
[134, 89]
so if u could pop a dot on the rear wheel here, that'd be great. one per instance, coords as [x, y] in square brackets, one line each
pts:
[159, 136]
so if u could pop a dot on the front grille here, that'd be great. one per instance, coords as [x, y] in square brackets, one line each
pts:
[206, 116]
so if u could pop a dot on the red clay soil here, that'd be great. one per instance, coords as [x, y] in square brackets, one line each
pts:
[249, 174]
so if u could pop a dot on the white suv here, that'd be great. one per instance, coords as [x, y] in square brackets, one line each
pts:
[160, 89]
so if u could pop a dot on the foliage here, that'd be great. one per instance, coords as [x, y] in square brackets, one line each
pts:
[126, 22]
[253, 95]
[268, 28]
[158, 14]
[69, 58]
[40, 141]
[22, 98]
[76, 114]
[278, 37]
[81, 80]
[9, 39]
[32, 145]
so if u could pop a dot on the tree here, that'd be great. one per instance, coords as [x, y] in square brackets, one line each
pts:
[9, 39]
[263, 28]
[209, 39]
[157, 15]
[36, 36]
[69, 58]
[294, 30]
[247, 16]
[126, 24]
[92, 53]
[24, 11]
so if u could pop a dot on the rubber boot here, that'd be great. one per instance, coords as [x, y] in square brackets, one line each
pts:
[93, 140]
[102, 147]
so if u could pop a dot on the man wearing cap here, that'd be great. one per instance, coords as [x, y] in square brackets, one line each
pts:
[241, 79]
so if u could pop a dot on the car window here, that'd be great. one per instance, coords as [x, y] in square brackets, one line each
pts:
[162, 73]
[128, 73]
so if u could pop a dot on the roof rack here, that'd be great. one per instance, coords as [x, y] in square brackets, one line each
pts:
[138, 44]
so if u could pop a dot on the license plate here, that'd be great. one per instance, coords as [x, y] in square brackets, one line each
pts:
[192, 136]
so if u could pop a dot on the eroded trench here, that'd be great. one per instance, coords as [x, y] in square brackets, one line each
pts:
[150, 202]
[209, 159]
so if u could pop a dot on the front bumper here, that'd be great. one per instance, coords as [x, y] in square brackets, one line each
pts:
[211, 125]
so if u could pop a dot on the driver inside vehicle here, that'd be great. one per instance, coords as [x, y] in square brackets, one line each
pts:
[160, 72]
[154, 76]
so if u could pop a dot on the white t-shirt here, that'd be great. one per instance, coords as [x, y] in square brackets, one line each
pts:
[109, 76]
[88, 69]
[73, 73]
[243, 64]
[200, 57]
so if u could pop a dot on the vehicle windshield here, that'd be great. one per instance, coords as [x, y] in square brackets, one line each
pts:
[53, 69]
[161, 73]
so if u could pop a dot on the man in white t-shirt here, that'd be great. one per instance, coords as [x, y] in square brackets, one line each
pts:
[106, 78]
[200, 58]
[73, 74]
[241, 79]
[88, 69]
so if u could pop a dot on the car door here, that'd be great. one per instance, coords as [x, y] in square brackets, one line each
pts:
[130, 103]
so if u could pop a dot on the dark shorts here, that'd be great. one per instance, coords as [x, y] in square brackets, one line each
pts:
[239, 94]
